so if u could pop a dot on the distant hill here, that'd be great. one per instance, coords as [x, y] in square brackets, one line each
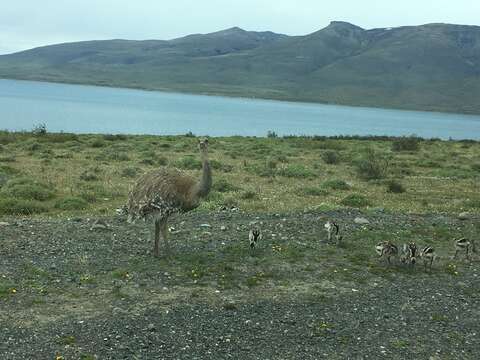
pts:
[428, 67]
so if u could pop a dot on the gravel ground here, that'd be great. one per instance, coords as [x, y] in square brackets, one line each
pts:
[60, 298]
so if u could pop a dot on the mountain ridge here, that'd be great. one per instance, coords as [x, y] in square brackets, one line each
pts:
[428, 67]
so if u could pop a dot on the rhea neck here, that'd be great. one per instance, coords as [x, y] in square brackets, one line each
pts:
[205, 183]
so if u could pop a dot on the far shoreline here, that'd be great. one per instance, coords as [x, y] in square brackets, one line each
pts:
[239, 96]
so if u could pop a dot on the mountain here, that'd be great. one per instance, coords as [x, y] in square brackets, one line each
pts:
[428, 67]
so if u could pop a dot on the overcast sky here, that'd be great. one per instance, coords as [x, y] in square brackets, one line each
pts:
[29, 23]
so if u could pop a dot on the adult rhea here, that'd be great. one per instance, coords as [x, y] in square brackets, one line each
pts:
[163, 192]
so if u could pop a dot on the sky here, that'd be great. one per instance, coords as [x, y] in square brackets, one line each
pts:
[25, 24]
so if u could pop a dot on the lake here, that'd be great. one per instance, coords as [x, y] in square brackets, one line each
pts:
[91, 109]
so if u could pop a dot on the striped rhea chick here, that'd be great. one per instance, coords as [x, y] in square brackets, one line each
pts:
[428, 255]
[410, 252]
[386, 249]
[464, 244]
[333, 228]
[254, 236]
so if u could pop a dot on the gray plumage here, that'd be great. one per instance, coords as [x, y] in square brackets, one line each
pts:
[163, 192]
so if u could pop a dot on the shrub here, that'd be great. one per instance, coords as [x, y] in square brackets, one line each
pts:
[98, 143]
[118, 156]
[248, 195]
[296, 171]
[223, 185]
[8, 158]
[34, 146]
[271, 134]
[311, 191]
[162, 161]
[87, 175]
[71, 203]
[39, 129]
[117, 137]
[372, 165]
[147, 161]
[355, 200]
[331, 157]
[395, 187]
[27, 189]
[129, 172]
[476, 167]
[10, 206]
[190, 134]
[217, 165]
[472, 203]
[188, 163]
[406, 143]
[336, 184]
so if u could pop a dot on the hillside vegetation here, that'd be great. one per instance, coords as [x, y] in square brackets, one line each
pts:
[428, 67]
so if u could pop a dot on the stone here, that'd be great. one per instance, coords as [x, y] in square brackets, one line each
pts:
[3, 223]
[223, 228]
[361, 221]
[205, 225]
[464, 216]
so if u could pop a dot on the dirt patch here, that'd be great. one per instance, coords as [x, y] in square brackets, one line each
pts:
[69, 288]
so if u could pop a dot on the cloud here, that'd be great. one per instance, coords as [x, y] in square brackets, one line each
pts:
[29, 23]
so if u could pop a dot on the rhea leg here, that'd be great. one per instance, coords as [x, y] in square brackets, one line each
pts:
[164, 231]
[157, 238]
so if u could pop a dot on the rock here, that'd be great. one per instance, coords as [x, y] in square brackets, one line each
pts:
[3, 223]
[464, 216]
[223, 228]
[361, 221]
[151, 327]
[205, 225]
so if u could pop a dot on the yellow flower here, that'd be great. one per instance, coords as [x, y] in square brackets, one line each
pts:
[14, 291]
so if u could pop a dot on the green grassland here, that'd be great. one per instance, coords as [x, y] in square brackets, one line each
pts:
[96, 292]
[66, 174]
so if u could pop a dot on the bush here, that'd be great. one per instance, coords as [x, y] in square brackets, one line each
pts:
[336, 184]
[98, 143]
[10, 206]
[40, 129]
[117, 137]
[129, 172]
[296, 171]
[71, 203]
[331, 157]
[87, 175]
[395, 187]
[223, 185]
[190, 134]
[476, 167]
[27, 189]
[355, 200]
[271, 134]
[248, 195]
[472, 204]
[217, 165]
[406, 143]
[188, 163]
[311, 191]
[372, 165]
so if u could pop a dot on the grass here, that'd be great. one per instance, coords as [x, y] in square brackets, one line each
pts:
[256, 174]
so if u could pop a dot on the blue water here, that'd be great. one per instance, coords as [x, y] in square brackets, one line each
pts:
[90, 109]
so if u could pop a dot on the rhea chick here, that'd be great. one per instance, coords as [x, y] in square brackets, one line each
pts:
[464, 244]
[333, 228]
[254, 236]
[427, 254]
[386, 249]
